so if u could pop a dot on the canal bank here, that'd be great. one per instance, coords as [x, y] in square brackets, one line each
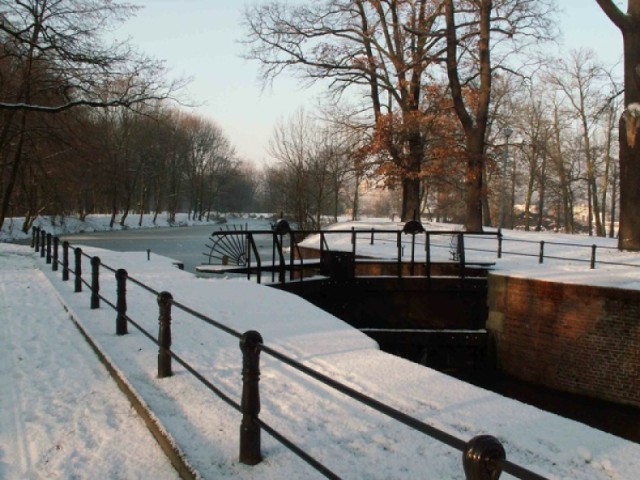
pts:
[420, 330]
[200, 239]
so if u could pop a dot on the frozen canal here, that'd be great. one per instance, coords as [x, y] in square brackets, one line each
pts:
[186, 245]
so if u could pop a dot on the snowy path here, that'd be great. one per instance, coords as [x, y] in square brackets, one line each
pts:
[62, 416]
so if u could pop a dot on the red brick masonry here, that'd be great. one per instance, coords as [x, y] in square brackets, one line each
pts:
[575, 338]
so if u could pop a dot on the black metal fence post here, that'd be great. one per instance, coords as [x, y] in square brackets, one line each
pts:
[353, 241]
[121, 302]
[273, 256]
[164, 335]
[413, 253]
[48, 249]
[593, 256]
[65, 261]
[372, 232]
[78, 270]
[541, 255]
[427, 247]
[479, 458]
[499, 243]
[34, 236]
[462, 255]
[56, 245]
[43, 239]
[292, 253]
[250, 404]
[399, 246]
[95, 282]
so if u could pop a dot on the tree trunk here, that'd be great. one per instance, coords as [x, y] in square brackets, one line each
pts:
[410, 199]
[411, 179]
[13, 172]
[512, 200]
[356, 199]
[541, 191]
[475, 126]
[125, 214]
[530, 184]
[605, 181]
[629, 25]
[565, 189]
[629, 232]
[473, 183]
[486, 211]
[614, 186]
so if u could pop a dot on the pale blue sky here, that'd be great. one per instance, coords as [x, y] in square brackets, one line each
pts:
[199, 38]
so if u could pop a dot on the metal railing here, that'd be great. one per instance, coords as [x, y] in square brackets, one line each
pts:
[409, 242]
[244, 247]
[483, 456]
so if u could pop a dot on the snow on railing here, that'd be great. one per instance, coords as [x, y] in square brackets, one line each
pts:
[483, 456]
[410, 247]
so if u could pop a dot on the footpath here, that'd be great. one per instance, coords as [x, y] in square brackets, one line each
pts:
[61, 414]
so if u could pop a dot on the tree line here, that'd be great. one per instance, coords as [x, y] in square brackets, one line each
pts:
[550, 155]
[446, 104]
[394, 57]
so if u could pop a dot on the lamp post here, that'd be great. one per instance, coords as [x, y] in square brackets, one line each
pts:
[503, 184]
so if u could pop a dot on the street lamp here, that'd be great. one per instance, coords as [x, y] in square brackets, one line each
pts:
[503, 185]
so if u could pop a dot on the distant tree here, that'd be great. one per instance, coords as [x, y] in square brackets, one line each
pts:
[311, 168]
[53, 59]
[241, 189]
[610, 177]
[629, 25]
[582, 81]
[378, 49]
[211, 162]
[480, 36]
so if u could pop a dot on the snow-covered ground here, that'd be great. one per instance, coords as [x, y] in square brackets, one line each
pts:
[12, 228]
[62, 418]
[61, 414]
[567, 257]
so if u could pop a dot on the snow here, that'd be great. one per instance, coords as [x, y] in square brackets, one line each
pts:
[62, 417]
[12, 230]
[634, 109]
[520, 250]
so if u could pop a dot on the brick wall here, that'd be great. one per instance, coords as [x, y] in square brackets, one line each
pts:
[575, 338]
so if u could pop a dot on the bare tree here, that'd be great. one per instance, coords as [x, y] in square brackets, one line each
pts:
[610, 175]
[313, 163]
[378, 49]
[480, 35]
[535, 129]
[581, 80]
[52, 51]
